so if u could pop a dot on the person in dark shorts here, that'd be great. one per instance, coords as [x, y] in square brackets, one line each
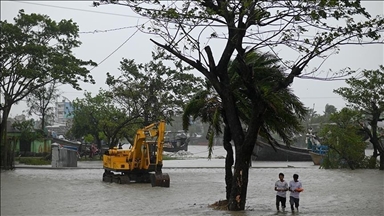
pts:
[294, 188]
[281, 187]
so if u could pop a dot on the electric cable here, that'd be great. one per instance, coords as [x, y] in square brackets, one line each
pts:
[106, 30]
[115, 50]
[82, 10]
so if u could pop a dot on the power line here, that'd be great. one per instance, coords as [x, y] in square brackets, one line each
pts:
[115, 50]
[320, 97]
[95, 31]
[107, 30]
[82, 10]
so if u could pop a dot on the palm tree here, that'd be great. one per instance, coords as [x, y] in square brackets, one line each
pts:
[283, 114]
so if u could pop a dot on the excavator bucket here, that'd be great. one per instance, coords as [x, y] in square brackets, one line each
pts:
[160, 180]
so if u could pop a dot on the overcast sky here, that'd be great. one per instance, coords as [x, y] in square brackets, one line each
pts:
[98, 44]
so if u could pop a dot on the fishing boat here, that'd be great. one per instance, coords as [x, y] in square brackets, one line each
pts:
[316, 158]
[318, 151]
[265, 152]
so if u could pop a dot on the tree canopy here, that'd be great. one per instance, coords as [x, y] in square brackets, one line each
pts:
[153, 90]
[366, 94]
[346, 144]
[99, 114]
[141, 95]
[35, 51]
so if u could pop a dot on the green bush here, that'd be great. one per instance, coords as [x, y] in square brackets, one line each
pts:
[34, 161]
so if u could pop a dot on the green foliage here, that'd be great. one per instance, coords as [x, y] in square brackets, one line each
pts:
[89, 138]
[153, 90]
[34, 161]
[35, 51]
[329, 109]
[28, 132]
[284, 110]
[101, 117]
[366, 93]
[346, 145]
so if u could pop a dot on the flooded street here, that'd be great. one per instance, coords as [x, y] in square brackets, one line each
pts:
[81, 191]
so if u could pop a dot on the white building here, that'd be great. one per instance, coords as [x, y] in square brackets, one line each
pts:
[63, 112]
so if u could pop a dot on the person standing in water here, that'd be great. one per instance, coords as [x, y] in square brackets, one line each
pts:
[281, 186]
[295, 188]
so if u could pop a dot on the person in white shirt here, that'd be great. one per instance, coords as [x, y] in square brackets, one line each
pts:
[295, 188]
[281, 187]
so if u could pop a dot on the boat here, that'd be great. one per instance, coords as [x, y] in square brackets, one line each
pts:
[316, 158]
[318, 151]
[175, 141]
[263, 151]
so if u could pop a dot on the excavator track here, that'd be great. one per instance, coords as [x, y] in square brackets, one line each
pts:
[116, 178]
[158, 179]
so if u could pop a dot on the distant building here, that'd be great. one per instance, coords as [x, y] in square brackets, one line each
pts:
[63, 112]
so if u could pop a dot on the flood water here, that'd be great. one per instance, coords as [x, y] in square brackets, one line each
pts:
[81, 192]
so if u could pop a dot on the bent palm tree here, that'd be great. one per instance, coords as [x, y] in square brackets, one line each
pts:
[283, 109]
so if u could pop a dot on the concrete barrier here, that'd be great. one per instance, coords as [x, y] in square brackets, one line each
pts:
[63, 157]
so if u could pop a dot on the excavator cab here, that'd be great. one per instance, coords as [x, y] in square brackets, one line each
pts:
[143, 162]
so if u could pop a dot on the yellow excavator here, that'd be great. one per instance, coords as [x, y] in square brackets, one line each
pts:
[142, 162]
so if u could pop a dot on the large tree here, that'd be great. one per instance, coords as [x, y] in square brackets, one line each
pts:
[35, 51]
[284, 110]
[313, 29]
[366, 94]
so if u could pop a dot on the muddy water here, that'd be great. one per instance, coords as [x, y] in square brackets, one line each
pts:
[81, 192]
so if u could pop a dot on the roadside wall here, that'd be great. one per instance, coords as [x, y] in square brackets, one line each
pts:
[62, 157]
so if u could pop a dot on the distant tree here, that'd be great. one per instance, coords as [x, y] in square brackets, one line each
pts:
[345, 143]
[99, 114]
[367, 95]
[329, 109]
[89, 138]
[186, 30]
[40, 102]
[35, 51]
[153, 90]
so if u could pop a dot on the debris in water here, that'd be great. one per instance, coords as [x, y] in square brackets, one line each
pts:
[220, 205]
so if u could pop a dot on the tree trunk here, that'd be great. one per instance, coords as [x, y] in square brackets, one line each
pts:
[240, 182]
[374, 151]
[228, 160]
[381, 161]
[5, 144]
[43, 122]
[98, 142]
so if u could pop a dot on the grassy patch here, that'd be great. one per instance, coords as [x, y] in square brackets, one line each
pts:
[33, 161]
[165, 157]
